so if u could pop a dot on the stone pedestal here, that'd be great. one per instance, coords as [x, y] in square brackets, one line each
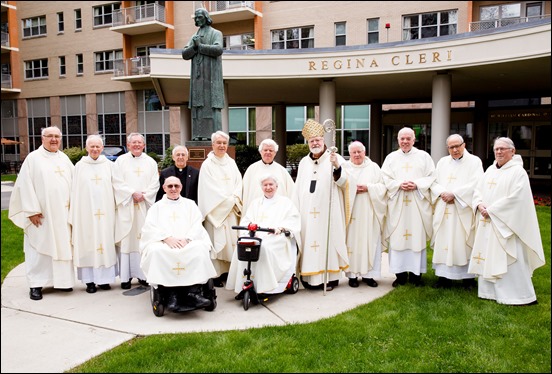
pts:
[198, 151]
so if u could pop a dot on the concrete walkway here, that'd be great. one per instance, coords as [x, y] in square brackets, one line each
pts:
[64, 330]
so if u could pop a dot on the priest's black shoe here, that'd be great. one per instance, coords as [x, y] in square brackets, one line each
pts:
[143, 282]
[217, 282]
[416, 280]
[370, 282]
[104, 286]
[353, 282]
[126, 285]
[198, 300]
[401, 279]
[469, 283]
[443, 282]
[64, 289]
[36, 293]
[91, 287]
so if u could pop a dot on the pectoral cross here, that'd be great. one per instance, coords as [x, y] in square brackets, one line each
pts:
[485, 221]
[314, 212]
[96, 179]
[407, 166]
[315, 246]
[407, 234]
[101, 249]
[491, 183]
[478, 258]
[138, 171]
[450, 177]
[99, 214]
[59, 171]
[178, 268]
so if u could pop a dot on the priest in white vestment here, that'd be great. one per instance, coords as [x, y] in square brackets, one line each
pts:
[92, 218]
[278, 252]
[220, 191]
[134, 195]
[266, 165]
[456, 176]
[39, 204]
[319, 197]
[175, 246]
[408, 174]
[365, 208]
[508, 246]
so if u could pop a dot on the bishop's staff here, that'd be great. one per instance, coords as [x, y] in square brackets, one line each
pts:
[329, 126]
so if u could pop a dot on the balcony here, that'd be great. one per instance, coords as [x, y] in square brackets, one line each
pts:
[7, 85]
[228, 11]
[139, 20]
[495, 23]
[134, 69]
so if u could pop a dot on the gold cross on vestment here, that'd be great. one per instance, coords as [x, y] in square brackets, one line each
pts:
[485, 221]
[178, 268]
[349, 251]
[478, 258]
[96, 179]
[59, 171]
[406, 200]
[315, 246]
[101, 249]
[262, 217]
[138, 171]
[225, 179]
[407, 167]
[491, 183]
[314, 212]
[446, 213]
[407, 234]
[450, 177]
[99, 214]
[173, 216]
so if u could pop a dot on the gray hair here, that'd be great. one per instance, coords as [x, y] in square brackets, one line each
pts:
[269, 142]
[506, 141]
[94, 137]
[177, 147]
[217, 134]
[267, 177]
[406, 129]
[43, 131]
[454, 136]
[356, 143]
[133, 134]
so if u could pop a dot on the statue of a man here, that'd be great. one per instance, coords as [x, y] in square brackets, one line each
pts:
[206, 84]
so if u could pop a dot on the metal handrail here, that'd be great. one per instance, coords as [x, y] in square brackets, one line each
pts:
[496, 23]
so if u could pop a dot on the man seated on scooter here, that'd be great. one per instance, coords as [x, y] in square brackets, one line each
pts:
[176, 248]
[278, 252]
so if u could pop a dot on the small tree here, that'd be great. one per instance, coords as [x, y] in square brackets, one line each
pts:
[167, 160]
[245, 156]
[75, 154]
[295, 153]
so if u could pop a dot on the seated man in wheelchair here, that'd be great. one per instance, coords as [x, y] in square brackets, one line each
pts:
[278, 252]
[176, 249]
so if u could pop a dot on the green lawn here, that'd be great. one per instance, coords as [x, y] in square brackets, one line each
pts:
[409, 330]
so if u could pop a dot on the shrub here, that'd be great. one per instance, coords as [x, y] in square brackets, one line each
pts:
[167, 160]
[75, 154]
[246, 155]
[295, 153]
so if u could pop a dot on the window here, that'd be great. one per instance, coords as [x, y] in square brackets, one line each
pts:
[356, 125]
[35, 69]
[373, 31]
[112, 117]
[10, 130]
[80, 64]
[62, 67]
[143, 65]
[61, 26]
[297, 38]
[78, 20]
[34, 27]
[509, 14]
[38, 117]
[103, 15]
[340, 33]
[241, 124]
[153, 121]
[429, 25]
[73, 120]
[104, 60]
[239, 42]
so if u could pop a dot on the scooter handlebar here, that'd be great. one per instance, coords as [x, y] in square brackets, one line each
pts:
[253, 227]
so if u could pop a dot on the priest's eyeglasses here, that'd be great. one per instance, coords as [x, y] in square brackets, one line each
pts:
[455, 146]
[53, 136]
[173, 186]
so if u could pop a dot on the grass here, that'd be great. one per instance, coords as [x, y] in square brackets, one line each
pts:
[408, 330]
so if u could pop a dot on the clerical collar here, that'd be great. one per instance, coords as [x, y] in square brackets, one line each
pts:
[172, 199]
[459, 158]
[269, 163]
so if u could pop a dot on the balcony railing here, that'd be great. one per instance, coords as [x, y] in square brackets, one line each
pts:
[134, 66]
[495, 23]
[5, 39]
[6, 81]
[219, 6]
[137, 14]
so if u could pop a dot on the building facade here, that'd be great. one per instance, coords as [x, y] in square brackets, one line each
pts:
[478, 68]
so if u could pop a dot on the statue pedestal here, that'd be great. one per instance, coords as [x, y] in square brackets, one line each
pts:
[198, 151]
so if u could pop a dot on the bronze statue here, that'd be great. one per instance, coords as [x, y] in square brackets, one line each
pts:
[206, 84]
